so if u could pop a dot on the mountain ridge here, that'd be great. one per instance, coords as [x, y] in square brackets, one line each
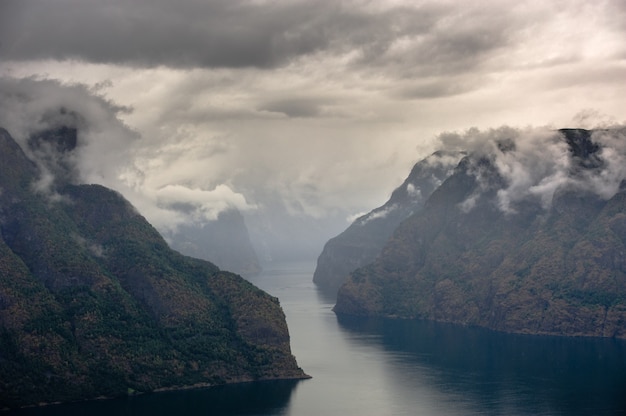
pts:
[363, 240]
[554, 270]
[94, 303]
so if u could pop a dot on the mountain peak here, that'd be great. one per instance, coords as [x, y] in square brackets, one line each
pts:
[366, 236]
[529, 239]
[582, 147]
[94, 303]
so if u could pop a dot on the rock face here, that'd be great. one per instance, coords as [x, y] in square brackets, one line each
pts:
[94, 303]
[360, 243]
[225, 242]
[554, 266]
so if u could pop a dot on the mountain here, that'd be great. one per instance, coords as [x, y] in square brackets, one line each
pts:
[546, 259]
[363, 240]
[93, 302]
[225, 242]
[282, 232]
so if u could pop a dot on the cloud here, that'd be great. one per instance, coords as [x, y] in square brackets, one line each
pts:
[408, 38]
[378, 214]
[353, 217]
[202, 205]
[324, 105]
[537, 166]
[108, 152]
[590, 118]
[536, 163]
[606, 182]
[219, 33]
[412, 191]
[296, 106]
[29, 106]
[434, 88]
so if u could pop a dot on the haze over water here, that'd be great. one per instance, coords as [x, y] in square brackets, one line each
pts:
[382, 367]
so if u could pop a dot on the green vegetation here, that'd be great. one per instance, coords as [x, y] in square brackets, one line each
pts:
[94, 303]
[361, 243]
[560, 271]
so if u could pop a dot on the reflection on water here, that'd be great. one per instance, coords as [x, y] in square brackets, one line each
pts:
[496, 373]
[265, 398]
[384, 367]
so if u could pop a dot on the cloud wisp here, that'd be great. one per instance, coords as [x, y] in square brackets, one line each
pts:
[107, 152]
[321, 105]
[537, 163]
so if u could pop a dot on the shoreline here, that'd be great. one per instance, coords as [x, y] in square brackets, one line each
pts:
[197, 386]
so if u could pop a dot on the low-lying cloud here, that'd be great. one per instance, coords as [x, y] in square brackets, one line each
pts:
[104, 144]
[537, 162]
[176, 176]
[323, 106]
[202, 205]
[378, 214]
[107, 152]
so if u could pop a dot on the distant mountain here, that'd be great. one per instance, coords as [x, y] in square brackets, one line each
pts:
[526, 264]
[282, 233]
[225, 242]
[94, 303]
[363, 240]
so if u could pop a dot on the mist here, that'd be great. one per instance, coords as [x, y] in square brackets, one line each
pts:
[537, 162]
[173, 184]
[110, 153]
[302, 115]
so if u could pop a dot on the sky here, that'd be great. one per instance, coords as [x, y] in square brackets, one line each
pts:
[319, 106]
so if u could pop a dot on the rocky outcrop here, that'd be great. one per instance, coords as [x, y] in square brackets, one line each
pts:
[541, 267]
[360, 243]
[94, 303]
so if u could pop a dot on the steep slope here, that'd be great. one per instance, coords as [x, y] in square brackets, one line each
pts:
[94, 303]
[544, 269]
[225, 242]
[363, 240]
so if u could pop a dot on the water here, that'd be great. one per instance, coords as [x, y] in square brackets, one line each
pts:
[382, 367]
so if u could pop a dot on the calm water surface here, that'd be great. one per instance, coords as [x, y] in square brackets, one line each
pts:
[382, 367]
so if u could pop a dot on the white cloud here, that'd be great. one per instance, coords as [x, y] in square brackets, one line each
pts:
[537, 162]
[378, 214]
[353, 217]
[605, 182]
[203, 205]
[326, 105]
[413, 191]
[109, 153]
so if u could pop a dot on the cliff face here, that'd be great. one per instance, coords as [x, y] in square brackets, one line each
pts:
[225, 242]
[360, 243]
[94, 303]
[543, 268]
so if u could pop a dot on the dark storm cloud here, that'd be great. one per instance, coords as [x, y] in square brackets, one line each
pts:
[147, 33]
[296, 106]
[432, 89]
[447, 42]
[237, 98]
[234, 33]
